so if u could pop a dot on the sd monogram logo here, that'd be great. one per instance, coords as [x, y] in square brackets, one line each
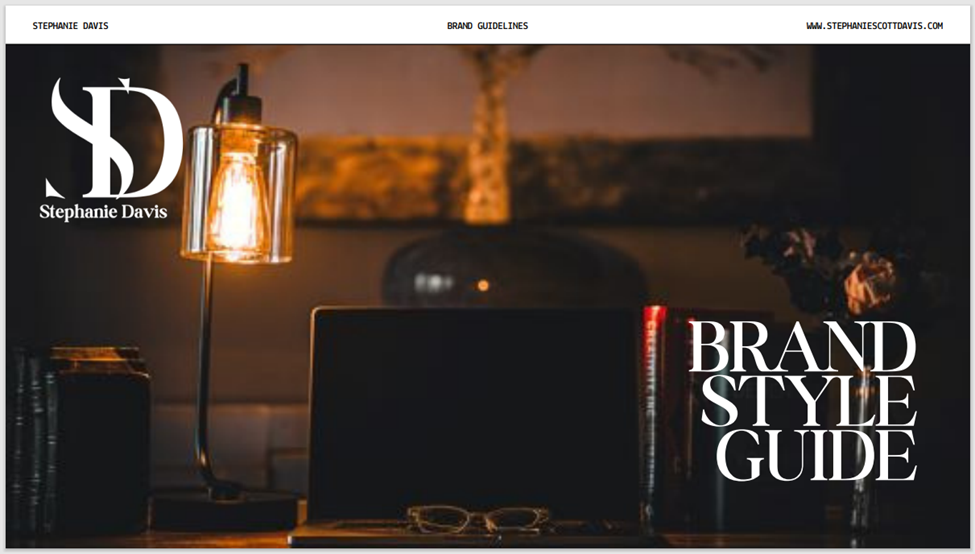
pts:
[105, 149]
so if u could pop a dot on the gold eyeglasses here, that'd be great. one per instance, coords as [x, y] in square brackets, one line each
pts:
[454, 520]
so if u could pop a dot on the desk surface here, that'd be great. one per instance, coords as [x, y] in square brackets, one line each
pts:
[160, 539]
[279, 539]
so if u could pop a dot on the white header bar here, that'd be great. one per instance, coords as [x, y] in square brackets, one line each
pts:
[499, 24]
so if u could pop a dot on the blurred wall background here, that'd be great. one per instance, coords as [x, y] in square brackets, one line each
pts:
[125, 284]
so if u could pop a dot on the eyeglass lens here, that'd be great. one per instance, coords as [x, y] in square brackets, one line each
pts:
[451, 519]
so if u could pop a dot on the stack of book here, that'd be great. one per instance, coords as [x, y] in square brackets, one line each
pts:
[77, 440]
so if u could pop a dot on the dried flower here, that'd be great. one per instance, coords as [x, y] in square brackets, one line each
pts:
[891, 278]
[809, 261]
[872, 285]
[802, 244]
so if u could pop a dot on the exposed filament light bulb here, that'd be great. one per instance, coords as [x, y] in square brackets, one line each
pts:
[238, 217]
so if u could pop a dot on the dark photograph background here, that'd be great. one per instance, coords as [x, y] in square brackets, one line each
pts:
[636, 148]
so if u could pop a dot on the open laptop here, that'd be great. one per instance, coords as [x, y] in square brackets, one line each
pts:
[478, 409]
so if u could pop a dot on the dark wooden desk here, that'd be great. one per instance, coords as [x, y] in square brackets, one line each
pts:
[279, 539]
[159, 539]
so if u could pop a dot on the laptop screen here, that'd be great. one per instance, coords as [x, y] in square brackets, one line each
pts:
[476, 408]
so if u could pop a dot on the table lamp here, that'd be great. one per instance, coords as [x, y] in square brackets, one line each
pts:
[237, 209]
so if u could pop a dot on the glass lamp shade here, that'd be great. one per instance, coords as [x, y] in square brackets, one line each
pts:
[239, 200]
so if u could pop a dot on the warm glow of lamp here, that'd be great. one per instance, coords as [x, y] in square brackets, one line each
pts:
[238, 220]
[238, 205]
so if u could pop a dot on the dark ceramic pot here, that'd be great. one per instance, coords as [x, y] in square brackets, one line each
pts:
[511, 267]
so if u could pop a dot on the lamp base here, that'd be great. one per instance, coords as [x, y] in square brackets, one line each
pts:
[196, 511]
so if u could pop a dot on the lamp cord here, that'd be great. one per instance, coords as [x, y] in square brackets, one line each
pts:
[234, 87]
[225, 92]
